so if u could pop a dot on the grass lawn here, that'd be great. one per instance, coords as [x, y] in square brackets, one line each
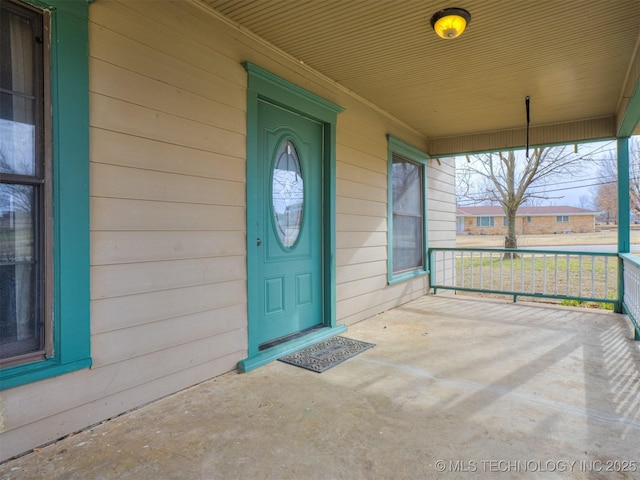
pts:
[598, 238]
[551, 276]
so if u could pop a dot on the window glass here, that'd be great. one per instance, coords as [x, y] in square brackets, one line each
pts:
[287, 193]
[21, 183]
[19, 333]
[484, 221]
[407, 215]
[17, 93]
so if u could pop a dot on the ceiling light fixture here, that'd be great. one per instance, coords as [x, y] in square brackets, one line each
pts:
[450, 22]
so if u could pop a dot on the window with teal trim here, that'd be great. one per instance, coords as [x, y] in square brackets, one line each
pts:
[407, 211]
[44, 201]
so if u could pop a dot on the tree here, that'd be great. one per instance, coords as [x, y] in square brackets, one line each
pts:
[585, 202]
[507, 178]
[607, 201]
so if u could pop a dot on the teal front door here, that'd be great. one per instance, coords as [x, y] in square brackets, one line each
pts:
[288, 243]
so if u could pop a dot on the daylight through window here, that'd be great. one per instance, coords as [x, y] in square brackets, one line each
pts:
[407, 215]
[23, 184]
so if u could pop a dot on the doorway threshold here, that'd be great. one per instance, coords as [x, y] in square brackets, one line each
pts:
[287, 347]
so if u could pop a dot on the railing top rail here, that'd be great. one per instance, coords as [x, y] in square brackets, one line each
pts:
[631, 257]
[523, 250]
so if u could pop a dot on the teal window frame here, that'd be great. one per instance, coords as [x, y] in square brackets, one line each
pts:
[69, 92]
[485, 221]
[395, 146]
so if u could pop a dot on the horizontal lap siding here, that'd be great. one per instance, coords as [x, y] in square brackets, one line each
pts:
[361, 208]
[168, 117]
[168, 212]
[442, 208]
[63, 413]
[151, 277]
[168, 262]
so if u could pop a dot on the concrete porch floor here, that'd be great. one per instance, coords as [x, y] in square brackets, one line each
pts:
[455, 387]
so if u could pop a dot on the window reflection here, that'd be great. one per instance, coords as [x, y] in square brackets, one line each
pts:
[17, 266]
[407, 215]
[287, 193]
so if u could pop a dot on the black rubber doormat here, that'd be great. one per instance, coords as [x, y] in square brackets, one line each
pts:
[324, 355]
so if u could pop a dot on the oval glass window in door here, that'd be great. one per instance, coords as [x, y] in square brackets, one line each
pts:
[287, 193]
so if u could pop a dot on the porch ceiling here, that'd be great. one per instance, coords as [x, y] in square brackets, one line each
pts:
[577, 60]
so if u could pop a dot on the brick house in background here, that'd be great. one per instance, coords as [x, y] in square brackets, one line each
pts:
[491, 220]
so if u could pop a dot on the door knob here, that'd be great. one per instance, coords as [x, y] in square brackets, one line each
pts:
[258, 242]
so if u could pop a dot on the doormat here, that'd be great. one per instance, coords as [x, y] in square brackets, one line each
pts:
[324, 355]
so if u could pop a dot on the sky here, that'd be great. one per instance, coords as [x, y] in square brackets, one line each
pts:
[568, 191]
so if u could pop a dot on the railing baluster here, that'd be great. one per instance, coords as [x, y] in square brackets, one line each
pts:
[580, 276]
[533, 273]
[593, 276]
[491, 276]
[568, 277]
[471, 260]
[606, 277]
[544, 275]
[555, 274]
[481, 271]
[511, 257]
[454, 269]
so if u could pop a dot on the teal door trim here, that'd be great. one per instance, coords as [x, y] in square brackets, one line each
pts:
[266, 86]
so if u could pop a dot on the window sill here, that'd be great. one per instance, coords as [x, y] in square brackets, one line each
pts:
[22, 374]
[407, 276]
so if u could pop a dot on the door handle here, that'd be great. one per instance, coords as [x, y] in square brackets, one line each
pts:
[258, 242]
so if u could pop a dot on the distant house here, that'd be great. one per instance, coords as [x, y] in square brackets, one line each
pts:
[491, 220]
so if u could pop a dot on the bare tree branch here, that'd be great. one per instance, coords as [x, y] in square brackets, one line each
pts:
[508, 177]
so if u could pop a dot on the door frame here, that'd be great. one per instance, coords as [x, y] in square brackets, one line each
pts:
[266, 86]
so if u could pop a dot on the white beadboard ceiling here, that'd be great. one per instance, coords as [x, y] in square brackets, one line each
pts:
[578, 60]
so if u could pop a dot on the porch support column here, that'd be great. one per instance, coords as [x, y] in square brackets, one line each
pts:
[624, 234]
